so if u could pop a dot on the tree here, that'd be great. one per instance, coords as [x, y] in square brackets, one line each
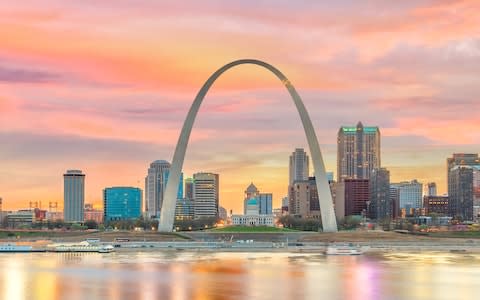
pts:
[305, 224]
[59, 223]
[352, 222]
[91, 224]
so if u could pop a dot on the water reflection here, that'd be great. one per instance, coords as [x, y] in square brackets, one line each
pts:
[208, 275]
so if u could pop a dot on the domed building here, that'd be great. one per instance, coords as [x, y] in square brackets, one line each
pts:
[252, 210]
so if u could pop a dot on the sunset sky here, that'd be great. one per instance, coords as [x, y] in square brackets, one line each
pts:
[104, 86]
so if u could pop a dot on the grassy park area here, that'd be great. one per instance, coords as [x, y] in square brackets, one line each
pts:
[456, 234]
[251, 229]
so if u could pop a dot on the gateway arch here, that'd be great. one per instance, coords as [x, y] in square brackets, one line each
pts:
[167, 215]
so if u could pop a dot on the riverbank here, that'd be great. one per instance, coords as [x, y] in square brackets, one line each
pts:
[285, 241]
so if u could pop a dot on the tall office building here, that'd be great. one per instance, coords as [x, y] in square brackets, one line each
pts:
[122, 203]
[431, 189]
[380, 203]
[298, 167]
[395, 200]
[410, 194]
[303, 199]
[206, 195]
[265, 203]
[73, 195]
[358, 152]
[189, 188]
[155, 185]
[180, 184]
[357, 196]
[463, 172]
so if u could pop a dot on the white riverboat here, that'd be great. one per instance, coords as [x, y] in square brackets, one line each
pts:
[15, 248]
[80, 247]
[344, 250]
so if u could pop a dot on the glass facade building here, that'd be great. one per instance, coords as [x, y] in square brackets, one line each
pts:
[122, 203]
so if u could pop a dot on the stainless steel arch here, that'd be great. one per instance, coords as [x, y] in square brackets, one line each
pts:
[326, 205]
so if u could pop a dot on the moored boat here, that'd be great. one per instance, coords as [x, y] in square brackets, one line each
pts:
[15, 248]
[80, 247]
[344, 250]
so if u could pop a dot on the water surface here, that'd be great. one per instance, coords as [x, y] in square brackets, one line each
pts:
[210, 275]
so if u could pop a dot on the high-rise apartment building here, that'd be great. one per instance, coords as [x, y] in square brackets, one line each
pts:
[463, 173]
[205, 194]
[155, 184]
[410, 194]
[73, 195]
[299, 166]
[380, 203]
[122, 203]
[358, 152]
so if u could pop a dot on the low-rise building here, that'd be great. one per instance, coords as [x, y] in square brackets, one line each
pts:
[92, 214]
[184, 209]
[23, 217]
[435, 204]
[252, 217]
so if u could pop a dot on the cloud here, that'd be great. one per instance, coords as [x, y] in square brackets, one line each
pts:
[26, 76]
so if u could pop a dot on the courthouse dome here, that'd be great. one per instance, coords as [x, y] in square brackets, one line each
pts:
[251, 188]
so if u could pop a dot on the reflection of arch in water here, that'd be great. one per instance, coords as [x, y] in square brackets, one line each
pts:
[326, 204]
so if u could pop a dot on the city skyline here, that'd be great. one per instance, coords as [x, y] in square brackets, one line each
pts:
[113, 110]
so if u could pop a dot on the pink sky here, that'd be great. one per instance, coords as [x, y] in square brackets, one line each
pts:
[104, 86]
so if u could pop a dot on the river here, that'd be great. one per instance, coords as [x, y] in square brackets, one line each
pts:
[223, 276]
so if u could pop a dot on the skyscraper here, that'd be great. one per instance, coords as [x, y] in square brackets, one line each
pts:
[463, 172]
[299, 164]
[73, 195]
[205, 194]
[358, 152]
[122, 203]
[155, 187]
[410, 193]
[380, 202]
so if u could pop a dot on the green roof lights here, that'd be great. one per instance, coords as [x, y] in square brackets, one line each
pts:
[354, 129]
